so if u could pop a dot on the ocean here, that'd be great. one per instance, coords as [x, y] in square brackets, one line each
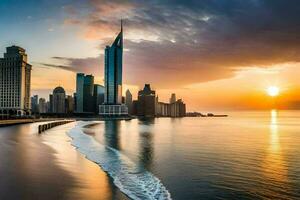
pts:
[247, 155]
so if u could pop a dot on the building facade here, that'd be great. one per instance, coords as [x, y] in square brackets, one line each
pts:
[176, 108]
[43, 105]
[35, 104]
[128, 101]
[162, 109]
[88, 94]
[113, 66]
[113, 63]
[79, 92]
[59, 96]
[69, 103]
[146, 102]
[173, 98]
[84, 93]
[15, 78]
[99, 91]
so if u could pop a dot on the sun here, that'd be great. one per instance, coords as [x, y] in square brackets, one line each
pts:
[273, 91]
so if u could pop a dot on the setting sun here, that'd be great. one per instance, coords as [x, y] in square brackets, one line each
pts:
[273, 91]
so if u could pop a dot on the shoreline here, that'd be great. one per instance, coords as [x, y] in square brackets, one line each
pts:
[47, 166]
[94, 182]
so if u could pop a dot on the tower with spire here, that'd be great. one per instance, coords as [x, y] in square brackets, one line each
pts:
[113, 70]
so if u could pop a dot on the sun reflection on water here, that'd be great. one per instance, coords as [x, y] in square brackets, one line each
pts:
[274, 140]
[274, 165]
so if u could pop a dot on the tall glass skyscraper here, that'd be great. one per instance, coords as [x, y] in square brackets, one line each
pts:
[113, 79]
[113, 71]
[84, 93]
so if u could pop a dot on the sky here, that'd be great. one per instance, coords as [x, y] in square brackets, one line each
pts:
[214, 54]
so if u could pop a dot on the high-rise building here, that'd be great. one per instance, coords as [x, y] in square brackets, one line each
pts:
[42, 105]
[128, 101]
[88, 94]
[146, 102]
[79, 92]
[99, 91]
[113, 71]
[162, 109]
[59, 96]
[177, 109]
[69, 104]
[84, 93]
[173, 98]
[15, 75]
[113, 62]
[35, 104]
[50, 108]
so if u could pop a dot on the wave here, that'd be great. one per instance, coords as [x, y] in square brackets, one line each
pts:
[132, 180]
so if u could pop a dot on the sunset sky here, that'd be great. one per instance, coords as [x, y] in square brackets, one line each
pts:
[214, 54]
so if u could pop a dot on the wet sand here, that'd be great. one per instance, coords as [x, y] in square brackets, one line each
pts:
[46, 166]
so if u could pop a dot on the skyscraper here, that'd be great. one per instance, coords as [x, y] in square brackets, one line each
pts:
[113, 79]
[42, 105]
[59, 96]
[99, 91]
[173, 98]
[34, 104]
[177, 109]
[146, 102]
[88, 94]
[113, 71]
[84, 93]
[128, 101]
[15, 75]
[79, 92]
[69, 104]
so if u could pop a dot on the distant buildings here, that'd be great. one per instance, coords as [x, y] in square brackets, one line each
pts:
[84, 93]
[113, 79]
[128, 101]
[90, 98]
[15, 76]
[99, 91]
[69, 104]
[43, 106]
[177, 108]
[34, 104]
[162, 109]
[173, 98]
[145, 105]
[58, 100]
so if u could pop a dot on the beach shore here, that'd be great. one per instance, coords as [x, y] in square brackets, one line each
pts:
[47, 167]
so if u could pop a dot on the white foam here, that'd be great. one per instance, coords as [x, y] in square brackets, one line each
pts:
[133, 181]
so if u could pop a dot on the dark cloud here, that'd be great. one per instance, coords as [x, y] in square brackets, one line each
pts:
[64, 67]
[196, 40]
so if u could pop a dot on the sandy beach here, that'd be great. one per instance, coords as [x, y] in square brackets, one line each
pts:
[46, 166]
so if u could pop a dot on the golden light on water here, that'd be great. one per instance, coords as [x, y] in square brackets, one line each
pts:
[273, 91]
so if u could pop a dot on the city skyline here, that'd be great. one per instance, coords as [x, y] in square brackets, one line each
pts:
[149, 99]
[191, 54]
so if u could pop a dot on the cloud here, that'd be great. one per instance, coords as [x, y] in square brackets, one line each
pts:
[85, 65]
[64, 67]
[183, 42]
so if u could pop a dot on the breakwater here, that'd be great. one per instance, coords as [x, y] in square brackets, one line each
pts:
[44, 127]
